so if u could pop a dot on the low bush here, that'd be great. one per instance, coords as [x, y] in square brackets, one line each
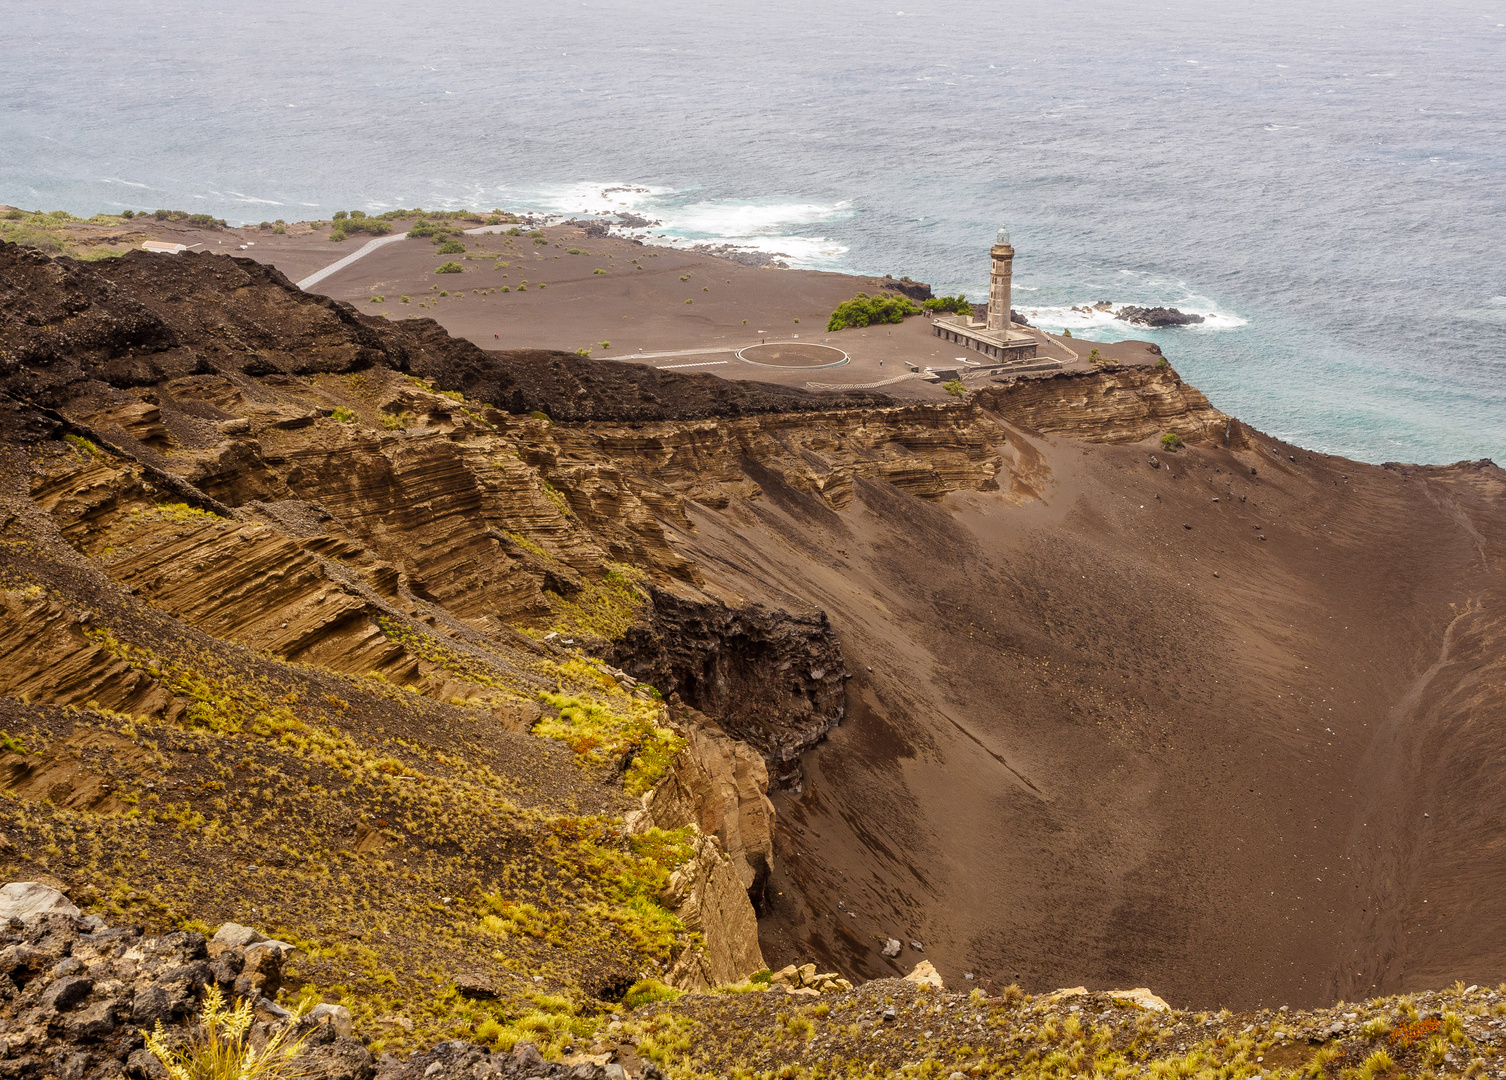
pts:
[362, 224]
[646, 991]
[451, 247]
[207, 221]
[955, 388]
[865, 310]
[1171, 441]
[450, 267]
[956, 305]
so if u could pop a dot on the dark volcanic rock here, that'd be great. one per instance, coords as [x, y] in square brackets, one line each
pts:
[773, 679]
[1156, 316]
[915, 290]
[66, 327]
[1018, 319]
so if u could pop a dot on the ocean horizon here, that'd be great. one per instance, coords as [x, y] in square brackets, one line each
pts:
[1324, 186]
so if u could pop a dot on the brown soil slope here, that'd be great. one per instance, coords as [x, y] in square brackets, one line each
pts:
[1170, 722]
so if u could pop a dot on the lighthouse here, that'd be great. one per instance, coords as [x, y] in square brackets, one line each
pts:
[1002, 254]
[991, 332]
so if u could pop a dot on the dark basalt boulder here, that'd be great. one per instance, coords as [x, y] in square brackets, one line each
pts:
[1156, 316]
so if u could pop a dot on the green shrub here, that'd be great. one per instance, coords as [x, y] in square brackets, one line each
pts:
[451, 247]
[865, 310]
[955, 388]
[538, 415]
[1066, 333]
[514, 231]
[598, 270]
[582, 352]
[340, 215]
[361, 224]
[280, 229]
[1163, 363]
[540, 241]
[576, 251]
[343, 415]
[450, 267]
[956, 305]
[1171, 441]
[127, 214]
[645, 991]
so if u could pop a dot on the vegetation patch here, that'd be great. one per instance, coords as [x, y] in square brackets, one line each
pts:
[865, 310]
[955, 305]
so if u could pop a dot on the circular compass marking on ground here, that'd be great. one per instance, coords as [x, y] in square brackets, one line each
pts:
[792, 354]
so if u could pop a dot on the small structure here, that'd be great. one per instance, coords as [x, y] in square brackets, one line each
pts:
[993, 335]
[162, 247]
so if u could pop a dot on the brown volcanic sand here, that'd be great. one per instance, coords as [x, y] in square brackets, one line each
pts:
[1096, 746]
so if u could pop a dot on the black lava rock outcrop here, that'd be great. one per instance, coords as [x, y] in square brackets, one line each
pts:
[1156, 316]
[773, 679]
[141, 319]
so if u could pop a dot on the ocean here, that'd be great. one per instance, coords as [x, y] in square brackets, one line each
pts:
[1326, 183]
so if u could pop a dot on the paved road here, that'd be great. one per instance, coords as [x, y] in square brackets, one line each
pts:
[340, 264]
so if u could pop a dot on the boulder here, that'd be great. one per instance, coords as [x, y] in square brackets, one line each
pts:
[1156, 316]
[67, 992]
[475, 986]
[891, 947]
[925, 974]
[27, 899]
[1141, 998]
[336, 1016]
[344, 1058]
[236, 936]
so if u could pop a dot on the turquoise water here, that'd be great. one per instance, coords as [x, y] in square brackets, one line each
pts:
[1325, 182]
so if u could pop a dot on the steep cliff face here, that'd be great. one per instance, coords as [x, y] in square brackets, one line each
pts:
[773, 679]
[1115, 404]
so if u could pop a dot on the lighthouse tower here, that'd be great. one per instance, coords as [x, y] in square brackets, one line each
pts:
[999, 281]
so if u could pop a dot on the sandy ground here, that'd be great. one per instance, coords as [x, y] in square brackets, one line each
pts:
[1105, 729]
[679, 310]
[637, 307]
